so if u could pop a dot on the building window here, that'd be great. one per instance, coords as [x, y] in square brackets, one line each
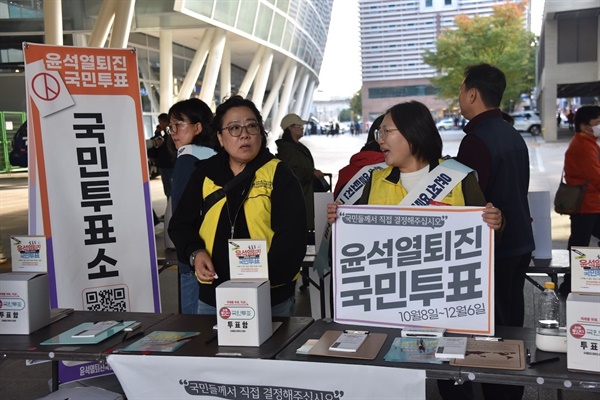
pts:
[577, 40]
[448, 2]
[428, 3]
[401, 91]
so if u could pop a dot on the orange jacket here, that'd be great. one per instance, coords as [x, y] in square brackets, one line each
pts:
[582, 164]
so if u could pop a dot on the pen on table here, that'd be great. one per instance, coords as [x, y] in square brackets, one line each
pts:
[528, 355]
[544, 361]
[181, 339]
[489, 338]
[421, 346]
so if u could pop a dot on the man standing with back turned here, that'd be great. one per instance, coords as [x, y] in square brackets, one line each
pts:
[499, 154]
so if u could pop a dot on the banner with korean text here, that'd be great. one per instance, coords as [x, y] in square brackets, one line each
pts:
[165, 377]
[414, 266]
[85, 116]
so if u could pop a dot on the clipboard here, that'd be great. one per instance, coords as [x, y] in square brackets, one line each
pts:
[507, 354]
[67, 336]
[367, 351]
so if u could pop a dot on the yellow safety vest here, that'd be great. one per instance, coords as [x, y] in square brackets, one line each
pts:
[256, 206]
[386, 192]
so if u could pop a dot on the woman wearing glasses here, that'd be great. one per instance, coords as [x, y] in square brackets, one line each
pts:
[243, 192]
[190, 127]
[412, 146]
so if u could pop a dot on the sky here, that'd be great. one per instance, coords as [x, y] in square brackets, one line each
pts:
[340, 72]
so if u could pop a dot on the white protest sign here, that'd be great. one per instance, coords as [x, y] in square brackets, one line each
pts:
[414, 266]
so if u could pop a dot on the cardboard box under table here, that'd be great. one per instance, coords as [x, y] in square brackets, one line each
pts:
[24, 302]
[244, 312]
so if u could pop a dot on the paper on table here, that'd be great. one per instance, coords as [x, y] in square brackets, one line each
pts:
[66, 336]
[161, 341]
[416, 350]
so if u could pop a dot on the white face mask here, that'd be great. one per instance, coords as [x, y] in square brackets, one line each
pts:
[596, 130]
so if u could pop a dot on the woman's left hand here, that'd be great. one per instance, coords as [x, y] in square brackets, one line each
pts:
[492, 216]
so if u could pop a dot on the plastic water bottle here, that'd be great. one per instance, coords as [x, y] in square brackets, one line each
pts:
[548, 309]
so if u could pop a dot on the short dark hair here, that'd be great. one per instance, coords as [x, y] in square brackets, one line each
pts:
[163, 117]
[490, 81]
[238, 101]
[415, 123]
[196, 111]
[585, 114]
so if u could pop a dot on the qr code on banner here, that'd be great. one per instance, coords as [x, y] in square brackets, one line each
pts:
[108, 298]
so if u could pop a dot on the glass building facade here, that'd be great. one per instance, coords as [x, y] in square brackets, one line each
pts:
[271, 45]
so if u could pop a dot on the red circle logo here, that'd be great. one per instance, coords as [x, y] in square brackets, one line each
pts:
[225, 313]
[577, 331]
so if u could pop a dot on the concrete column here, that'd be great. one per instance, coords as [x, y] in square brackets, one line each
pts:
[275, 87]
[225, 77]
[286, 95]
[301, 92]
[211, 72]
[53, 26]
[80, 40]
[260, 85]
[196, 66]
[105, 19]
[166, 70]
[549, 79]
[251, 72]
[294, 93]
[310, 91]
[123, 17]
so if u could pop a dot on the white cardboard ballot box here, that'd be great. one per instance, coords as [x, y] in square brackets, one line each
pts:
[244, 312]
[585, 270]
[583, 332]
[24, 302]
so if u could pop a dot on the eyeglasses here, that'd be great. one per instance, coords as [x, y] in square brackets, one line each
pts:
[236, 130]
[383, 133]
[173, 128]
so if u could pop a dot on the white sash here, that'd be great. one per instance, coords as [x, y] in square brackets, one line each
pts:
[353, 189]
[436, 184]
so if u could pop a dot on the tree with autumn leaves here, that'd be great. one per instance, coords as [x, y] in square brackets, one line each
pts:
[499, 39]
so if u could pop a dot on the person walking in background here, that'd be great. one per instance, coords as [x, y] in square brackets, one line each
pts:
[571, 120]
[191, 131]
[254, 196]
[361, 164]
[298, 157]
[164, 153]
[582, 166]
[500, 156]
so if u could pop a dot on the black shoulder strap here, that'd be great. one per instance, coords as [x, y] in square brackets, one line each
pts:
[217, 195]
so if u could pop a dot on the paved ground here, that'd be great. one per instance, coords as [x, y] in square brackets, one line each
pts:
[330, 154]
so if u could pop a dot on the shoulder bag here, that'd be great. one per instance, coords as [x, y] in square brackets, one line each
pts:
[568, 198]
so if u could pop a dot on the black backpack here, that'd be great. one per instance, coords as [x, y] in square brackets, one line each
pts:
[18, 154]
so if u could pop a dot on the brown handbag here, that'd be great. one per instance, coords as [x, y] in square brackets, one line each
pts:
[568, 198]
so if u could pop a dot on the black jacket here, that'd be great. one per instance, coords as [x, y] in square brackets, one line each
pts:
[287, 219]
[500, 156]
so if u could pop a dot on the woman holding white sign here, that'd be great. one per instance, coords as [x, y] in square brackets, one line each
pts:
[412, 147]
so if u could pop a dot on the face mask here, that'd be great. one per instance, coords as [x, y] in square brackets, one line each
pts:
[596, 130]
